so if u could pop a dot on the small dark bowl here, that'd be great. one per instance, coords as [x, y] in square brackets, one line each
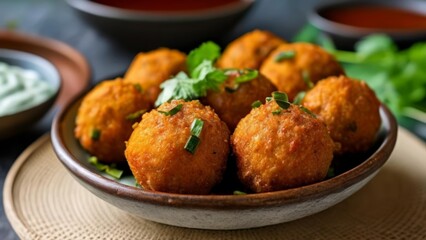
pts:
[15, 123]
[345, 36]
[146, 30]
[220, 211]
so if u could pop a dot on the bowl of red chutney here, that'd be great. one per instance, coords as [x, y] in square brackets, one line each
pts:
[145, 25]
[347, 22]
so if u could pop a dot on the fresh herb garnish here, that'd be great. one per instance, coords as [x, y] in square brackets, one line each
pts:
[284, 55]
[135, 115]
[232, 89]
[194, 140]
[202, 76]
[256, 104]
[108, 169]
[95, 134]
[237, 192]
[281, 99]
[396, 76]
[307, 79]
[247, 75]
[299, 98]
[276, 112]
[172, 111]
[307, 111]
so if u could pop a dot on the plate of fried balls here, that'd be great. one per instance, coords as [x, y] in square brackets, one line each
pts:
[264, 132]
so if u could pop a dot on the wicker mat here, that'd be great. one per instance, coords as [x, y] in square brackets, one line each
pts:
[43, 201]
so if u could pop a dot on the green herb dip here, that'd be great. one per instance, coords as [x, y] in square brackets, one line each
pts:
[21, 89]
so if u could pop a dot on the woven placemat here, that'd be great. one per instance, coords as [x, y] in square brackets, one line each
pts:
[43, 201]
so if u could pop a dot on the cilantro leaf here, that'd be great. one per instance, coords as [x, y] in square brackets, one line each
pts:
[209, 51]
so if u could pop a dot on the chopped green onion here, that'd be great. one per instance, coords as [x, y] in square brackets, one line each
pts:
[172, 111]
[280, 96]
[256, 104]
[307, 79]
[276, 112]
[197, 127]
[281, 99]
[236, 192]
[299, 98]
[138, 87]
[268, 99]
[192, 144]
[285, 55]
[95, 134]
[108, 169]
[307, 111]
[135, 115]
[247, 75]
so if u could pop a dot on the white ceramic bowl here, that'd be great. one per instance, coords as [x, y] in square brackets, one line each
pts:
[221, 211]
[15, 123]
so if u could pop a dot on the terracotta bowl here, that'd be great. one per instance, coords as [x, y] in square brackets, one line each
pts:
[220, 211]
[145, 30]
[345, 36]
[14, 123]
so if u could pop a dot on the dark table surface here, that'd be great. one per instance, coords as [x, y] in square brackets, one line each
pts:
[55, 19]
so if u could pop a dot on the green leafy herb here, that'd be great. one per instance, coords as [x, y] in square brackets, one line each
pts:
[232, 89]
[281, 99]
[256, 104]
[237, 192]
[247, 75]
[135, 115]
[307, 79]
[108, 169]
[172, 111]
[299, 98]
[307, 111]
[202, 76]
[95, 134]
[396, 76]
[277, 112]
[268, 99]
[194, 140]
[284, 55]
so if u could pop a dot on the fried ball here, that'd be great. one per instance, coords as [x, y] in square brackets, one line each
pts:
[249, 50]
[278, 148]
[152, 68]
[157, 156]
[349, 108]
[105, 118]
[233, 100]
[292, 75]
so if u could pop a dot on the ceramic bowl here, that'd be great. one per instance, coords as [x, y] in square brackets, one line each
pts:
[146, 30]
[217, 211]
[15, 123]
[345, 36]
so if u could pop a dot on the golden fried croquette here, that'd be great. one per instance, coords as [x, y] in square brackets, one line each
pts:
[157, 157]
[278, 148]
[309, 63]
[349, 108]
[249, 50]
[152, 68]
[233, 101]
[105, 118]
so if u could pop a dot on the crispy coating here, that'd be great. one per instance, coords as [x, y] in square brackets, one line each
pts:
[156, 155]
[249, 50]
[281, 151]
[310, 62]
[104, 110]
[232, 105]
[153, 68]
[349, 108]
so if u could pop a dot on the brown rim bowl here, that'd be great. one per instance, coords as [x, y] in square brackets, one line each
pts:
[219, 211]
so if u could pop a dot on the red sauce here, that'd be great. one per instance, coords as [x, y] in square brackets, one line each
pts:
[376, 17]
[165, 5]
